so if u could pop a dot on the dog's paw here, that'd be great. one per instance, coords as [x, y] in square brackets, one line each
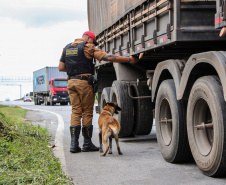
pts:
[102, 155]
[109, 152]
[120, 153]
[101, 150]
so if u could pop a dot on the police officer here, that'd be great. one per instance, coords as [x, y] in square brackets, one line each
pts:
[77, 61]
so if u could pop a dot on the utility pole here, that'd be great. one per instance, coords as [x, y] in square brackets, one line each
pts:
[20, 91]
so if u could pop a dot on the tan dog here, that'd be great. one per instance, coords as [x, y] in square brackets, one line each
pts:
[109, 127]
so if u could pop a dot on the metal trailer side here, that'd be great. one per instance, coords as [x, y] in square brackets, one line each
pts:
[102, 14]
[162, 29]
[220, 16]
[154, 27]
[181, 77]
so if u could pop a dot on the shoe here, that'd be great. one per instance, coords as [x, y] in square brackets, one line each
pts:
[75, 132]
[87, 133]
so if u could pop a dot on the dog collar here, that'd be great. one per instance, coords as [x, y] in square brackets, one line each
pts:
[108, 112]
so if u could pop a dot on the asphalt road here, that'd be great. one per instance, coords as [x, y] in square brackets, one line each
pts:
[140, 164]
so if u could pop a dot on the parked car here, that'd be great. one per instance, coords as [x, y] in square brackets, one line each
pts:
[27, 98]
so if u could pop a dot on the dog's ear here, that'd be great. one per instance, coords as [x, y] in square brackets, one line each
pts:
[118, 108]
[111, 104]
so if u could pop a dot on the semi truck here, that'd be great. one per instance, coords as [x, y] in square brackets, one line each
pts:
[50, 87]
[180, 80]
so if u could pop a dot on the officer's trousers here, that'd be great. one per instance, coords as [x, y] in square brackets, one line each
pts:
[82, 102]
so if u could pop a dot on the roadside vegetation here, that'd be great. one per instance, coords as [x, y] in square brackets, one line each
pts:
[24, 155]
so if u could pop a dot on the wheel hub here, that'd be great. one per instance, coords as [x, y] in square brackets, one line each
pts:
[166, 122]
[203, 127]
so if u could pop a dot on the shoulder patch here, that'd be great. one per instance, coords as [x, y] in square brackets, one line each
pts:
[71, 52]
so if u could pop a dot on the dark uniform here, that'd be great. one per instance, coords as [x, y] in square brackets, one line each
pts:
[78, 58]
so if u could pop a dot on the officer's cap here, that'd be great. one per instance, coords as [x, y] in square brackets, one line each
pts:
[92, 35]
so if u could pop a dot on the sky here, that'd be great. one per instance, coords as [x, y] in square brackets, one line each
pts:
[33, 34]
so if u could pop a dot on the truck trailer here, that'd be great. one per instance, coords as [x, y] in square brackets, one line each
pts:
[180, 81]
[50, 86]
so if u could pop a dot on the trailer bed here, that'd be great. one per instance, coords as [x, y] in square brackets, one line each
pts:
[160, 28]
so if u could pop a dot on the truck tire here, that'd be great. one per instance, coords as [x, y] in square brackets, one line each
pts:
[105, 97]
[171, 125]
[119, 94]
[64, 103]
[143, 115]
[35, 100]
[51, 101]
[38, 101]
[45, 101]
[206, 125]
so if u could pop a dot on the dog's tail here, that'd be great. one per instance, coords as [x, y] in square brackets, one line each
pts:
[115, 128]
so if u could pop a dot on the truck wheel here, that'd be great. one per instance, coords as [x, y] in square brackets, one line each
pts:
[143, 116]
[170, 125]
[51, 102]
[206, 125]
[64, 103]
[105, 97]
[38, 101]
[119, 94]
[45, 101]
[35, 100]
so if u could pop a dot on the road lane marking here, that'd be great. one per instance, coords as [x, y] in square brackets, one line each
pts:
[59, 150]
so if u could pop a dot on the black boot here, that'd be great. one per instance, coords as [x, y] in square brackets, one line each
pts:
[88, 146]
[75, 131]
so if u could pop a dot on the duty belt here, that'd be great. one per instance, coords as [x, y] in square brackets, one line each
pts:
[78, 77]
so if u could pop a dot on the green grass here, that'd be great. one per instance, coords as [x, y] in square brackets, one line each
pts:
[24, 155]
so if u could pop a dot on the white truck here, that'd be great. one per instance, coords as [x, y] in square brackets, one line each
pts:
[50, 86]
